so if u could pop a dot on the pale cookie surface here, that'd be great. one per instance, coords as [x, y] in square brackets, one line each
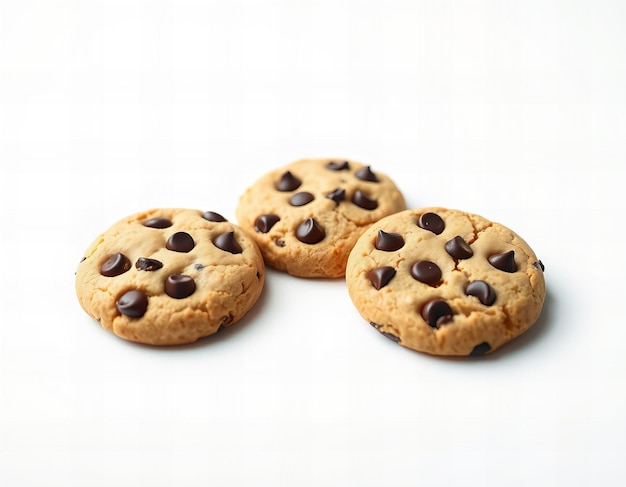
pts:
[170, 276]
[445, 282]
[307, 216]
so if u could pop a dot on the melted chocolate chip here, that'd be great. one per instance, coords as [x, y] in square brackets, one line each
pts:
[132, 303]
[264, 223]
[427, 272]
[381, 276]
[362, 200]
[115, 265]
[158, 222]
[389, 242]
[144, 264]
[179, 286]
[301, 199]
[226, 241]
[310, 232]
[338, 166]
[504, 261]
[180, 242]
[437, 313]
[366, 174]
[459, 248]
[480, 349]
[213, 217]
[288, 182]
[337, 195]
[483, 291]
[431, 222]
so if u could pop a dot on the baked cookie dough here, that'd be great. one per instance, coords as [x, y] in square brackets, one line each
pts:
[170, 276]
[445, 282]
[307, 216]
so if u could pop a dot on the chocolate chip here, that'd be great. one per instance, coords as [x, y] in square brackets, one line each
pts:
[115, 265]
[310, 232]
[431, 222]
[158, 222]
[279, 242]
[338, 166]
[366, 174]
[483, 291]
[389, 241]
[458, 248]
[264, 223]
[337, 195]
[437, 313]
[180, 242]
[288, 182]
[427, 272]
[179, 286]
[198, 267]
[213, 217]
[301, 199]
[480, 349]
[504, 261]
[391, 336]
[132, 303]
[539, 266]
[144, 264]
[364, 201]
[381, 276]
[226, 241]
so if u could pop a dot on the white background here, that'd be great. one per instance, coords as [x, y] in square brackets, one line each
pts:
[513, 110]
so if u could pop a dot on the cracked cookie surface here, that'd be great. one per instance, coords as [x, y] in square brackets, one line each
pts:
[307, 216]
[170, 276]
[445, 282]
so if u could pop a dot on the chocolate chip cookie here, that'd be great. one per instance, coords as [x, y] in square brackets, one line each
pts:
[445, 282]
[307, 216]
[170, 276]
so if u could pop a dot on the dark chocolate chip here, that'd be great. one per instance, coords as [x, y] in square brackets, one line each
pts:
[504, 261]
[144, 264]
[391, 336]
[381, 276]
[389, 241]
[338, 166]
[437, 313]
[264, 223]
[301, 199]
[158, 222]
[459, 248]
[539, 266]
[180, 242]
[480, 349]
[179, 286]
[227, 242]
[213, 217]
[115, 265]
[483, 291]
[431, 222]
[132, 303]
[226, 320]
[279, 242]
[337, 195]
[198, 267]
[361, 199]
[310, 232]
[366, 174]
[427, 272]
[288, 182]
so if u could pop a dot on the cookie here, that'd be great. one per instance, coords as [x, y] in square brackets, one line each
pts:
[445, 282]
[170, 276]
[307, 216]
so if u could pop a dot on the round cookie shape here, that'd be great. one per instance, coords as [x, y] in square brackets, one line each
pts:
[170, 276]
[307, 216]
[460, 284]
